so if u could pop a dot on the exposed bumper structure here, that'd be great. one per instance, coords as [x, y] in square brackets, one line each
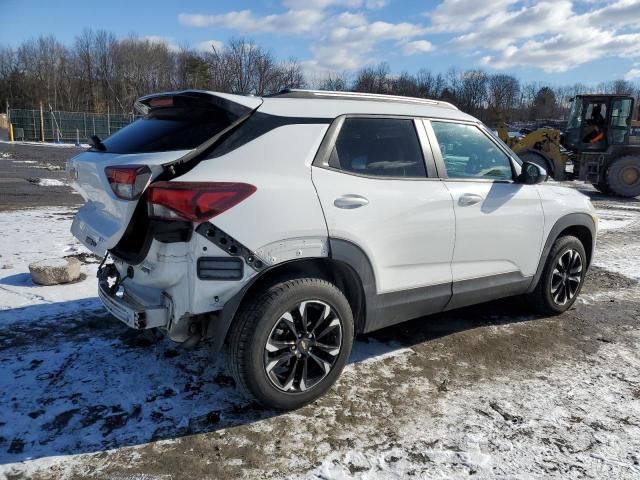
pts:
[132, 313]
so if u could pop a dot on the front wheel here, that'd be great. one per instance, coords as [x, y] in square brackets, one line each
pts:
[623, 176]
[288, 346]
[562, 277]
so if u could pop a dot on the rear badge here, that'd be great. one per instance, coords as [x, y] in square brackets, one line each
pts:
[91, 241]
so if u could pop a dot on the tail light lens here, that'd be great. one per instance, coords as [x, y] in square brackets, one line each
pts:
[194, 201]
[128, 181]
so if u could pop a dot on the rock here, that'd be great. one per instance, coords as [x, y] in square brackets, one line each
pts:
[54, 271]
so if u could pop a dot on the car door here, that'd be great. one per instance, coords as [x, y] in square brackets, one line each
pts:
[499, 222]
[378, 194]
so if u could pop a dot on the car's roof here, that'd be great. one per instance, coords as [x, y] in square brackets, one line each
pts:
[325, 104]
[328, 104]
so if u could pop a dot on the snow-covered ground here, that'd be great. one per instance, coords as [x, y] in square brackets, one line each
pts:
[30, 236]
[490, 391]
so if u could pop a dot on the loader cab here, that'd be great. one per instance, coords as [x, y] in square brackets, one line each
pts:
[598, 121]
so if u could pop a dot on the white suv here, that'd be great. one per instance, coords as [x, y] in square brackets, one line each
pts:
[280, 227]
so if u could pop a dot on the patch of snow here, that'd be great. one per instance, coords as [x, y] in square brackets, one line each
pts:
[616, 220]
[620, 259]
[50, 182]
[29, 162]
[40, 144]
[33, 235]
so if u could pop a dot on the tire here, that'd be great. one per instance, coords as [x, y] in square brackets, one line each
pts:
[540, 160]
[546, 298]
[262, 347]
[623, 176]
[602, 188]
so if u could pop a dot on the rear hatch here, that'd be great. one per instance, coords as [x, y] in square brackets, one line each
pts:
[177, 127]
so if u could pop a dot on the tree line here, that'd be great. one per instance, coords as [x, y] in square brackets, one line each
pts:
[100, 73]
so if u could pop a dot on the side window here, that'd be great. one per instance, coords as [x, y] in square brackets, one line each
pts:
[381, 147]
[468, 153]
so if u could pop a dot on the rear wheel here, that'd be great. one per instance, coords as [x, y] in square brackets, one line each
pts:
[623, 176]
[562, 277]
[288, 346]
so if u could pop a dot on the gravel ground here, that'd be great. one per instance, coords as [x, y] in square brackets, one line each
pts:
[33, 175]
[487, 391]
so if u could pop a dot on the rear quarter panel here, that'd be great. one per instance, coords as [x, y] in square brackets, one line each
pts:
[285, 204]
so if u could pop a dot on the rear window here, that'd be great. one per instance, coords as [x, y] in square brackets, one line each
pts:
[169, 129]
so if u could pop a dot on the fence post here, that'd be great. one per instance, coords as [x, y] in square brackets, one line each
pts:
[108, 121]
[41, 123]
[52, 124]
[93, 117]
[85, 125]
[77, 137]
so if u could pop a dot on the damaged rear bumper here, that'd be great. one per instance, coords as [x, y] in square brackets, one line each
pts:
[129, 311]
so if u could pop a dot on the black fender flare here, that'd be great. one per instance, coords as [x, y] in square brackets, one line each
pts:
[340, 250]
[563, 223]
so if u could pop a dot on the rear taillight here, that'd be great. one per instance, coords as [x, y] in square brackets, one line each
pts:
[194, 201]
[128, 181]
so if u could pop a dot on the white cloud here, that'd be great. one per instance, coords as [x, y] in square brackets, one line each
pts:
[374, 4]
[347, 19]
[417, 46]
[375, 32]
[349, 48]
[457, 15]
[340, 40]
[632, 74]
[322, 4]
[291, 21]
[168, 41]
[549, 35]
[209, 45]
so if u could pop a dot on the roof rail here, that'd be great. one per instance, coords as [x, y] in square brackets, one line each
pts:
[329, 94]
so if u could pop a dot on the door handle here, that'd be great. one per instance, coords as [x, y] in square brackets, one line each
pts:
[350, 201]
[468, 199]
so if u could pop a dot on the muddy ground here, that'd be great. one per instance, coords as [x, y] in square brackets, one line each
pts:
[487, 391]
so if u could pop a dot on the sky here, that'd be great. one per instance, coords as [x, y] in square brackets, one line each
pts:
[560, 42]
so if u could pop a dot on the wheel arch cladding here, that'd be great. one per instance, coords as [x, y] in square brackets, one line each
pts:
[580, 225]
[336, 271]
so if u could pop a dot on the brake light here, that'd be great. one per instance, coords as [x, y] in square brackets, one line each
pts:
[161, 102]
[194, 201]
[128, 181]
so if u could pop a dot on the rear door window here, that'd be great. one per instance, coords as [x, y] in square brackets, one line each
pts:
[169, 129]
[380, 147]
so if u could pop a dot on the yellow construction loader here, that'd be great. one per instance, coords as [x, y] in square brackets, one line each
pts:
[600, 145]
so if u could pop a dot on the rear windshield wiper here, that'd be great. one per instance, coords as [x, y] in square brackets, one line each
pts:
[96, 143]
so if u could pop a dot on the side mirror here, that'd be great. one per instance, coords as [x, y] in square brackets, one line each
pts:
[532, 173]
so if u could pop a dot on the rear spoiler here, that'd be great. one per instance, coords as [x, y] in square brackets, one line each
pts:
[236, 105]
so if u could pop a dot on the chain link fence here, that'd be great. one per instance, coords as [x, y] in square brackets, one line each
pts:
[65, 127]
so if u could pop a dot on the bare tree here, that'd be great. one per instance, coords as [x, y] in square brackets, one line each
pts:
[99, 72]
